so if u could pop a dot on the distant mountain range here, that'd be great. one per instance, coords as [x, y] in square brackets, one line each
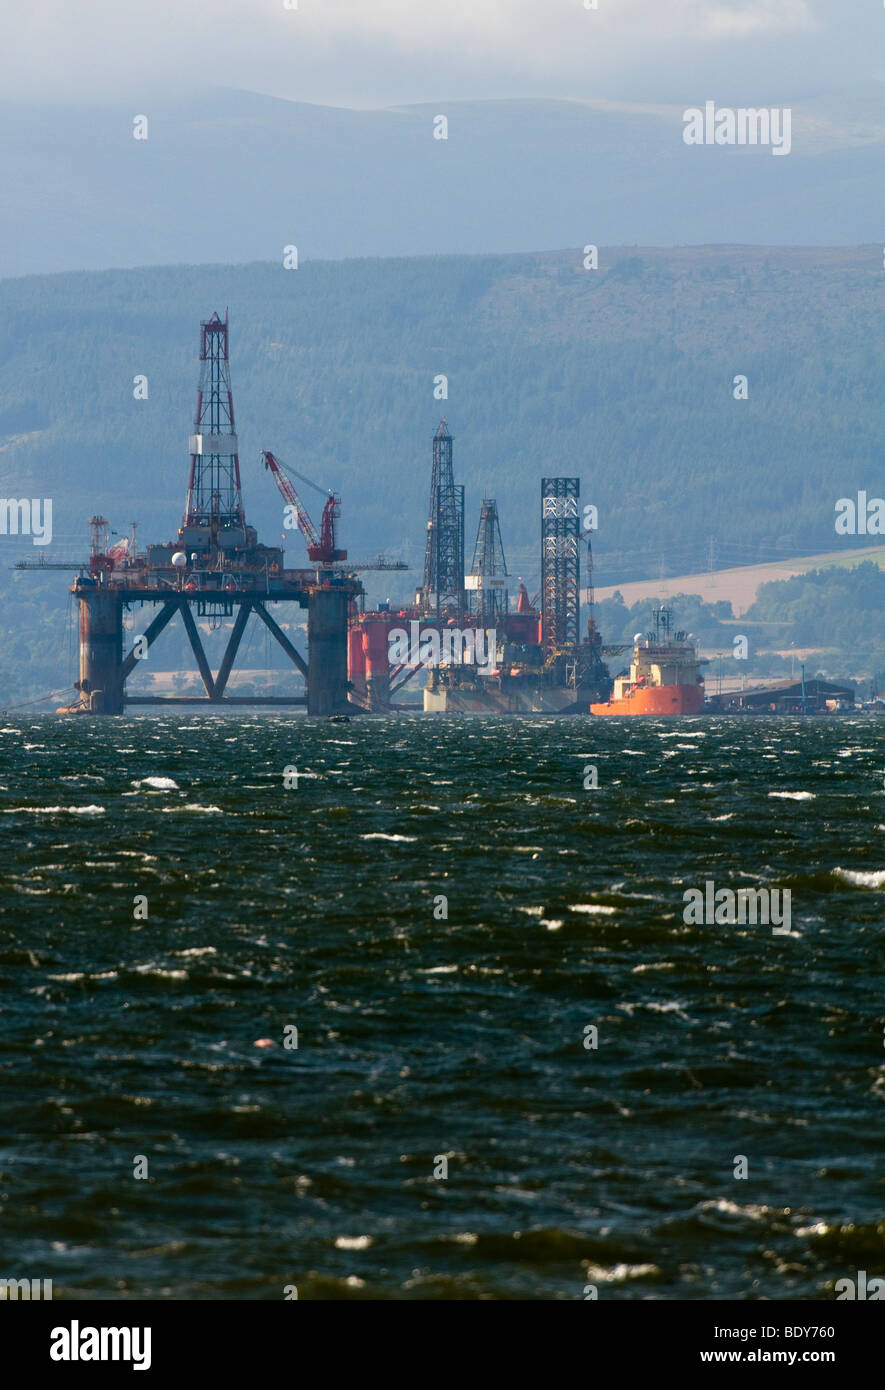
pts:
[234, 177]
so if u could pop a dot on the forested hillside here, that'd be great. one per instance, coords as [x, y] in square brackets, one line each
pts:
[622, 375]
[842, 609]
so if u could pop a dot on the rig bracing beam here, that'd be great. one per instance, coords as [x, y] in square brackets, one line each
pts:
[151, 633]
[230, 653]
[277, 632]
[190, 628]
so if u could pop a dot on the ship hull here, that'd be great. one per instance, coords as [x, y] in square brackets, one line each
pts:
[515, 699]
[659, 699]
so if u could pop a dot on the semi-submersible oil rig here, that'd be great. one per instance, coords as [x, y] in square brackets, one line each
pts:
[480, 649]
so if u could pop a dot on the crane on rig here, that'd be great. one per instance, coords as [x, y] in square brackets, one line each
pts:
[320, 545]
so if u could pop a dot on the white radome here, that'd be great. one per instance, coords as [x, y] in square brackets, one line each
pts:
[179, 559]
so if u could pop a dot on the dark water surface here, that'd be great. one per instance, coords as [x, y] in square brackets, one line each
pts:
[420, 1037]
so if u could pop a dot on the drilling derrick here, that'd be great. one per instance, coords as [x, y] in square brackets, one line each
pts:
[214, 519]
[487, 581]
[442, 596]
[560, 564]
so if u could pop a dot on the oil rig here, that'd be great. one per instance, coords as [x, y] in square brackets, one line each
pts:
[535, 659]
[215, 569]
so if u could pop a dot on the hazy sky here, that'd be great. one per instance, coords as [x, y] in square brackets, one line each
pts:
[365, 53]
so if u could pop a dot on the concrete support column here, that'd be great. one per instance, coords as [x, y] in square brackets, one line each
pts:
[327, 651]
[101, 649]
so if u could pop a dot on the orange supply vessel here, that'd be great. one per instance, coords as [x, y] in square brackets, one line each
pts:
[664, 676]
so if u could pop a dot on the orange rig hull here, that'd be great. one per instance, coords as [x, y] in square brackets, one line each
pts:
[657, 699]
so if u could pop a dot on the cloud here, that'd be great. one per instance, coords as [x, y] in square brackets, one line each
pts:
[764, 17]
[387, 52]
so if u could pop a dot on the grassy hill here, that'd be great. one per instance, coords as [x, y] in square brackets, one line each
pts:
[740, 586]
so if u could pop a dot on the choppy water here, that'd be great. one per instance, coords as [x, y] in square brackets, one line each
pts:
[421, 1037]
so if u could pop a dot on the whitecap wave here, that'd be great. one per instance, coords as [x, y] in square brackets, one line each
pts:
[875, 878]
[379, 835]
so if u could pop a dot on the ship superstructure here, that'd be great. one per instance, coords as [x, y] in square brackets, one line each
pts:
[664, 675]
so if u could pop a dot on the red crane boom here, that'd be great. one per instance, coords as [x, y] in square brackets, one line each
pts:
[320, 547]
